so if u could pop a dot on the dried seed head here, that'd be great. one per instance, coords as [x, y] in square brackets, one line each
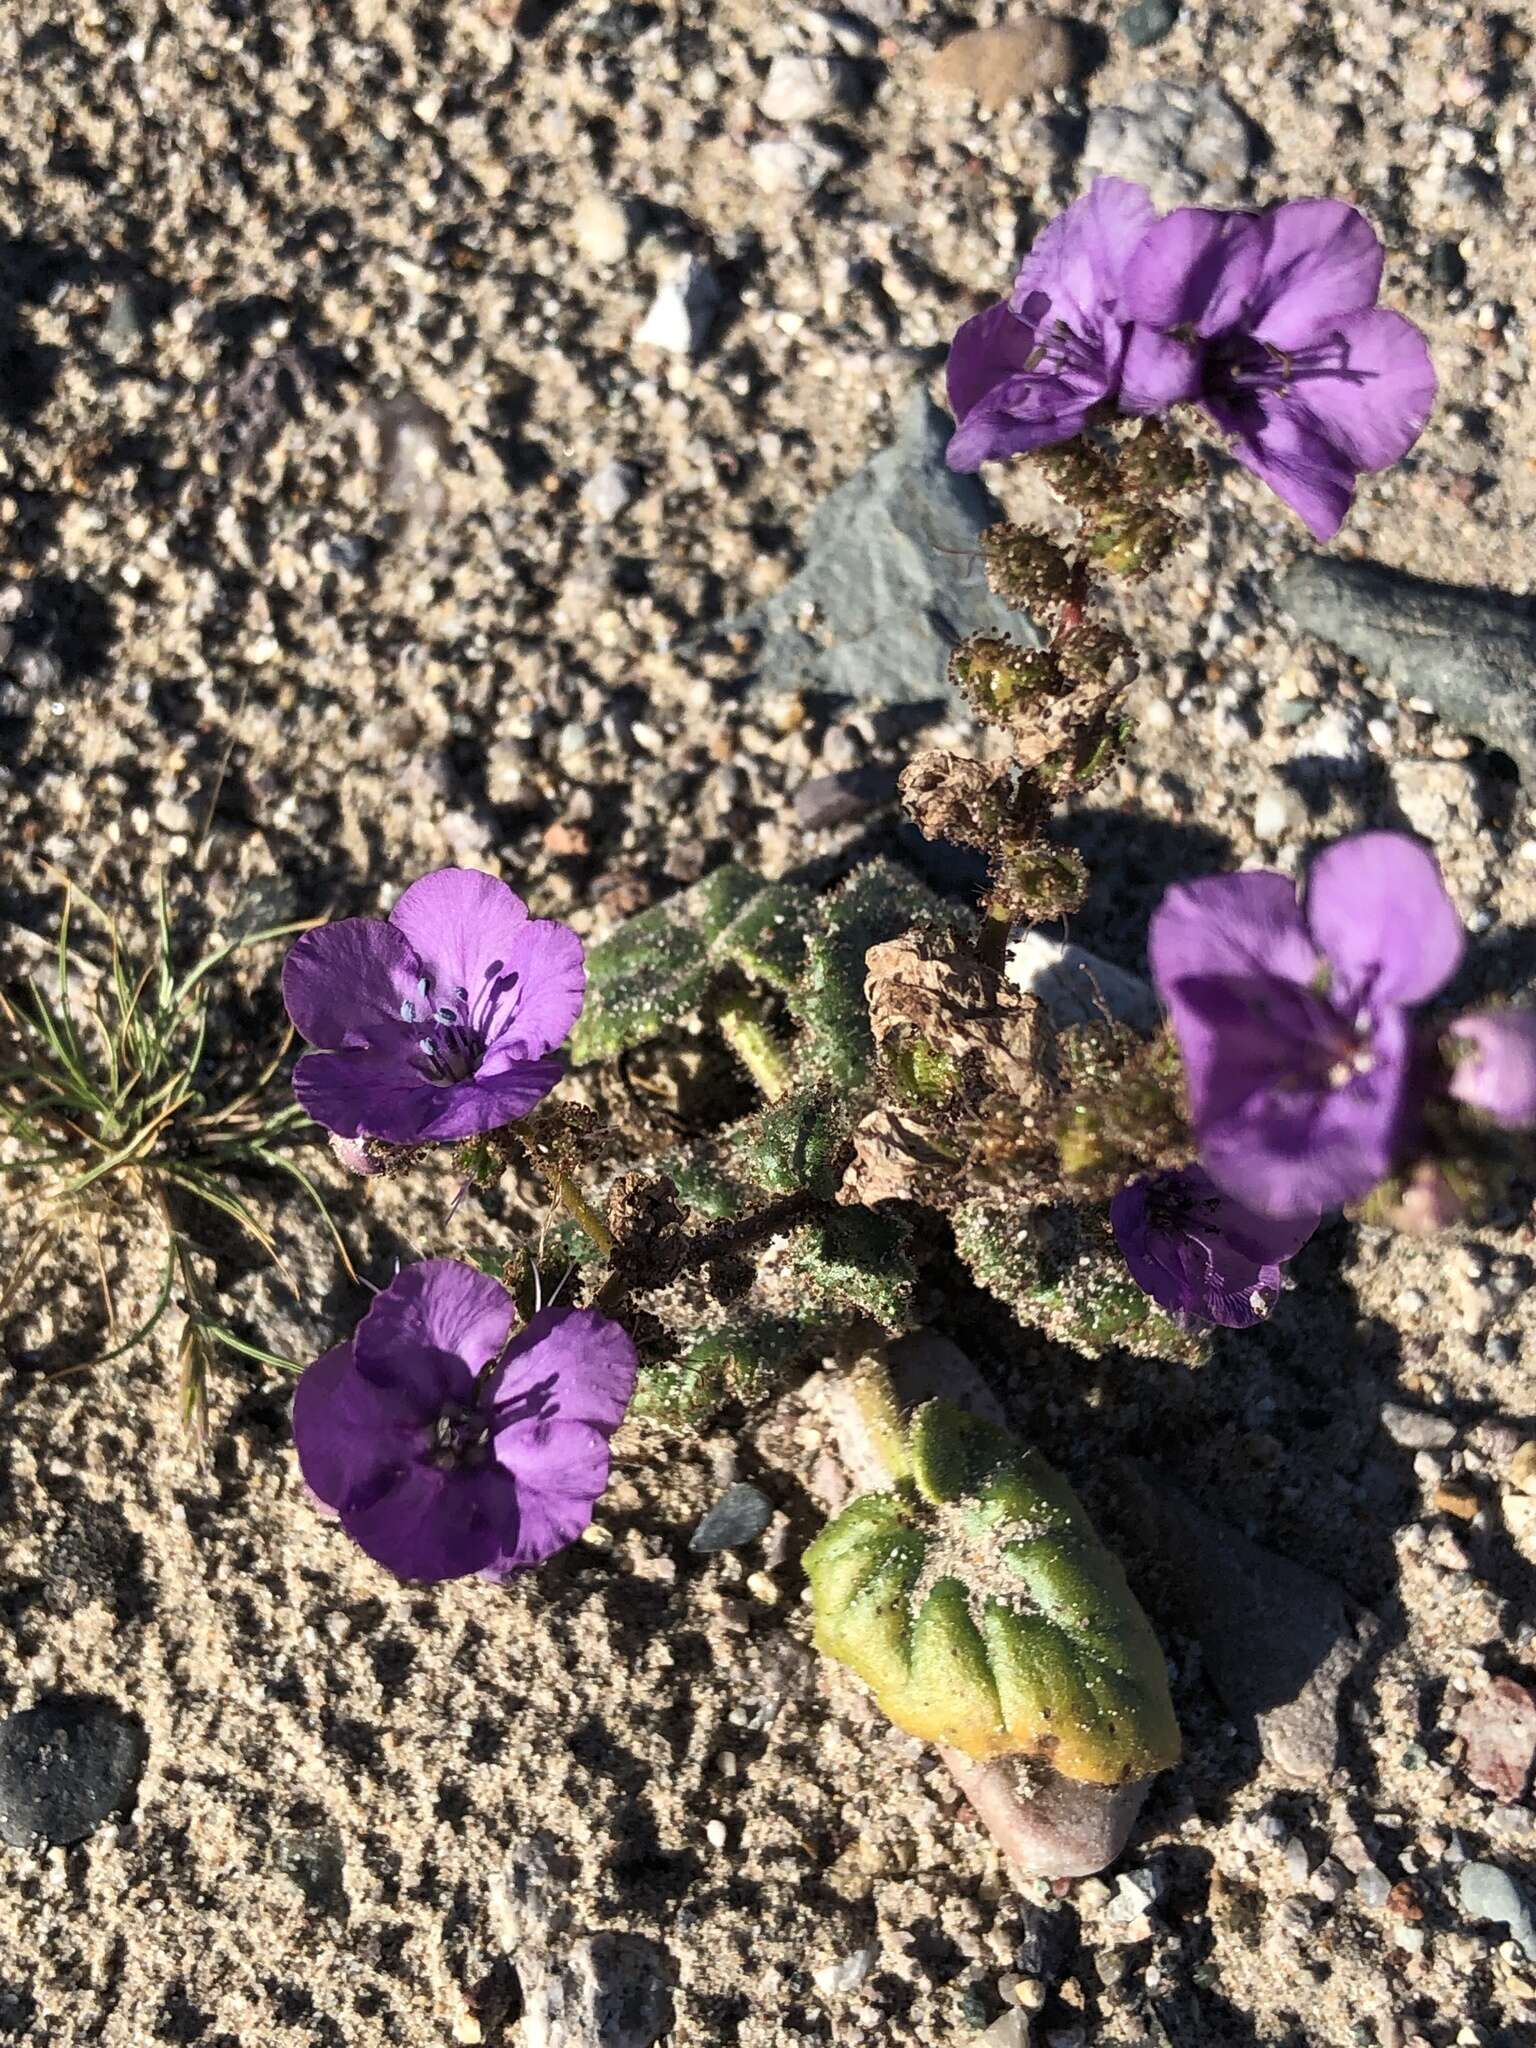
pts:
[950, 797]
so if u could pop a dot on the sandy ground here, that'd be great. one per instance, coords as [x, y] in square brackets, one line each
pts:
[315, 322]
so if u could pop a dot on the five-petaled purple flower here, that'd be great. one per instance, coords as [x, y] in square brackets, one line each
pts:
[1493, 1065]
[1268, 321]
[1200, 1254]
[1299, 1052]
[434, 1023]
[447, 1445]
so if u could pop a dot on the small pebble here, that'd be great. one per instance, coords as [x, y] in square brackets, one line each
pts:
[715, 1833]
[738, 1517]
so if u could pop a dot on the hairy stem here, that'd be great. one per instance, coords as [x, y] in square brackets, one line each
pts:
[744, 1027]
[580, 1211]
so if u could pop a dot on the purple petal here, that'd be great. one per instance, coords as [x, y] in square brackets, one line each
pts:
[1079, 261]
[1493, 1065]
[463, 923]
[538, 1012]
[1380, 913]
[1288, 451]
[1022, 415]
[988, 348]
[559, 1481]
[587, 1360]
[1158, 371]
[565, 1384]
[1283, 1150]
[347, 1430]
[430, 1332]
[380, 1095]
[369, 1094]
[1320, 259]
[1194, 270]
[1249, 924]
[1373, 391]
[433, 1523]
[344, 983]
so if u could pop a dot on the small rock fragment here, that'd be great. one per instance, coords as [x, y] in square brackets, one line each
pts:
[65, 1765]
[1520, 1520]
[1146, 22]
[1000, 65]
[610, 490]
[804, 88]
[600, 226]
[1522, 1467]
[683, 310]
[1488, 1893]
[786, 163]
[844, 1973]
[1416, 1430]
[1184, 142]
[1498, 1725]
[738, 1517]
[829, 800]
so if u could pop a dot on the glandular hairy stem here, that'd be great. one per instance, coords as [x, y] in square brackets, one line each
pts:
[580, 1210]
[745, 1028]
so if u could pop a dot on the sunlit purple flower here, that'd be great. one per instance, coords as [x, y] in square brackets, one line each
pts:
[1298, 1049]
[1270, 321]
[1198, 1253]
[433, 1023]
[447, 1445]
[1033, 369]
[1493, 1065]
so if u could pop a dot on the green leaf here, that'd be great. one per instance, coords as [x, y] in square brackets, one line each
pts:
[878, 902]
[858, 1259]
[795, 1144]
[980, 1606]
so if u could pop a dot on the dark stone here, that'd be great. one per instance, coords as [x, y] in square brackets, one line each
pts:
[1469, 653]
[1277, 1638]
[891, 575]
[1447, 265]
[66, 1764]
[828, 800]
[1148, 21]
[95, 1556]
[739, 1516]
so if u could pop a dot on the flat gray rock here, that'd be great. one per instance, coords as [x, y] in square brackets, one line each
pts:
[891, 578]
[1276, 1638]
[1469, 653]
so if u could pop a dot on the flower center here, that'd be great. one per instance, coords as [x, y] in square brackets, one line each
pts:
[1241, 366]
[460, 1437]
[1059, 351]
[454, 1046]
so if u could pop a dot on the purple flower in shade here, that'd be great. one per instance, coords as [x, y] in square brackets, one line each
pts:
[434, 1023]
[1198, 1253]
[1492, 1057]
[1270, 321]
[447, 1445]
[1304, 1078]
[1035, 368]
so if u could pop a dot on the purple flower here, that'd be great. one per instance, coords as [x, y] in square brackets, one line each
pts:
[1200, 1254]
[1035, 368]
[434, 1023]
[445, 1444]
[1492, 1058]
[1271, 322]
[1298, 1051]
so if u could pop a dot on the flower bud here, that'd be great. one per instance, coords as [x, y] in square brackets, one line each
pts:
[1133, 540]
[997, 676]
[1157, 464]
[1026, 570]
[1492, 1057]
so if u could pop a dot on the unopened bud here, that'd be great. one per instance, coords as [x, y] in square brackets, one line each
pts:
[1090, 653]
[1077, 471]
[1026, 570]
[996, 675]
[1157, 464]
[1037, 883]
[1133, 540]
